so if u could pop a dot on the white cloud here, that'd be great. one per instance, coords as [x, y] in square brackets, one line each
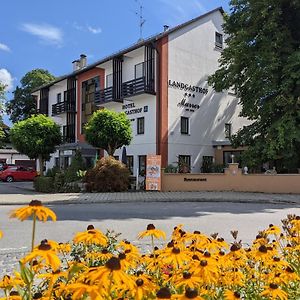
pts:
[6, 79]
[4, 47]
[47, 33]
[94, 30]
[88, 28]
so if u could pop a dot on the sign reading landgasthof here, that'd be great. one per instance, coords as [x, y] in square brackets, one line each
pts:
[153, 177]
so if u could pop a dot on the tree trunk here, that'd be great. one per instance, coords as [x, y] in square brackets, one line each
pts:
[41, 165]
[110, 150]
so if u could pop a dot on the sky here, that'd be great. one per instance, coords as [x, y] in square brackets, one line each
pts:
[51, 34]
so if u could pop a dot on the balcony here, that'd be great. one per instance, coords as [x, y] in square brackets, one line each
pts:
[63, 107]
[128, 89]
[103, 96]
[137, 86]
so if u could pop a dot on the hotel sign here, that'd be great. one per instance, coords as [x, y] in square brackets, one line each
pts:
[130, 109]
[187, 87]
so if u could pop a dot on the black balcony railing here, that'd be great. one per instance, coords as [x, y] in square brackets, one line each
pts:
[105, 95]
[129, 88]
[136, 87]
[63, 107]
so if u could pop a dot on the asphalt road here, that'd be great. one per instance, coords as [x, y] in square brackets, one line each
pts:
[18, 187]
[131, 218]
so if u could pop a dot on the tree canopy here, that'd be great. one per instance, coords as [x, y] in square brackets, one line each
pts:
[23, 105]
[36, 137]
[2, 97]
[108, 130]
[262, 64]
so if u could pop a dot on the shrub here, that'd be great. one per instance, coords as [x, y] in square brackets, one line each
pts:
[171, 169]
[59, 181]
[51, 172]
[43, 184]
[77, 164]
[109, 175]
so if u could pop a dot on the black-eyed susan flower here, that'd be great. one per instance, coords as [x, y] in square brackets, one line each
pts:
[190, 294]
[187, 280]
[176, 257]
[91, 236]
[111, 274]
[152, 232]
[43, 253]
[80, 290]
[143, 288]
[274, 292]
[232, 295]
[35, 208]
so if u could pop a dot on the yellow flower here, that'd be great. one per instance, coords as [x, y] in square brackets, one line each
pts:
[274, 292]
[79, 290]
[143, 287]
[1, 234]
[175, 256]
[91, 236]
[188, 280]
[110, 273]
[230, 295]
[152, 231]
[273, 230]
[36, 208]
[13, 295]
[43, 252]
[190, 294]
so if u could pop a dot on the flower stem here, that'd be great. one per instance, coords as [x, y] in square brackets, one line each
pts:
[33, 231]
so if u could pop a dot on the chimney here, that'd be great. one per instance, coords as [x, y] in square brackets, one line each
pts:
[82, 61]
[166, 28]
[76, 65]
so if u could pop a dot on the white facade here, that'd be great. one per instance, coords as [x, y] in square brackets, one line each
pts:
[193, 56]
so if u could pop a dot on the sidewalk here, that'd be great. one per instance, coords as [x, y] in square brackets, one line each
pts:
[73, 198]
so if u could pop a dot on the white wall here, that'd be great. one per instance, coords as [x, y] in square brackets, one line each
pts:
[142, 144]
[192, 58]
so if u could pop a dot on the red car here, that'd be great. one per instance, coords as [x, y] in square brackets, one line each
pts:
[16, 173]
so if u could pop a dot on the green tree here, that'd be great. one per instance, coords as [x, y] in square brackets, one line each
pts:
[108, 130]
[23, 105]
[262, 64]
[36, 137]
[2, 98]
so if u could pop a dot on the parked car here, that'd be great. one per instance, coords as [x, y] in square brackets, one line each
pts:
[17, 173]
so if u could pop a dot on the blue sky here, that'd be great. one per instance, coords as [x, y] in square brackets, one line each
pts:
[51, 34]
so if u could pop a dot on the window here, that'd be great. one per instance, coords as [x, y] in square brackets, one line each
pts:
[139, 70]
[184, 127]
[141, 125]
[56, 161]
[88, 90]
[219, 40]
[109, 80]
[184, 163]
[227, 130]
[130, 163]
[142, 165]
[58, 97]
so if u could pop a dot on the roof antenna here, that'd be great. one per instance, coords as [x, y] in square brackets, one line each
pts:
[142, 20]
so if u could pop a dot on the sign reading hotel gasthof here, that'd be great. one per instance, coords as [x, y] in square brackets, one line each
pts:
[153, 178]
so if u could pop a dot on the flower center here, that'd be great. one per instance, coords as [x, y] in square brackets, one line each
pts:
[35, 203]
[113, 264]
[90, 227]
[273, 286]
[44, 246]
[187, 275]
[150, 227]
[163, 293]
[139, 282]
[263, 249]
[190, 293]
[237, 295]
[176, 250]
[203, 263]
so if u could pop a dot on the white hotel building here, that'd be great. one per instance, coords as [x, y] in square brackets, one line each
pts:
[161, 84]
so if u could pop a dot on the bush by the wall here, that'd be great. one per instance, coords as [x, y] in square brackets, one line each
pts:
[59, 181]
[109, 175]
[43, 184]
[77, 164]
[51, 172]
